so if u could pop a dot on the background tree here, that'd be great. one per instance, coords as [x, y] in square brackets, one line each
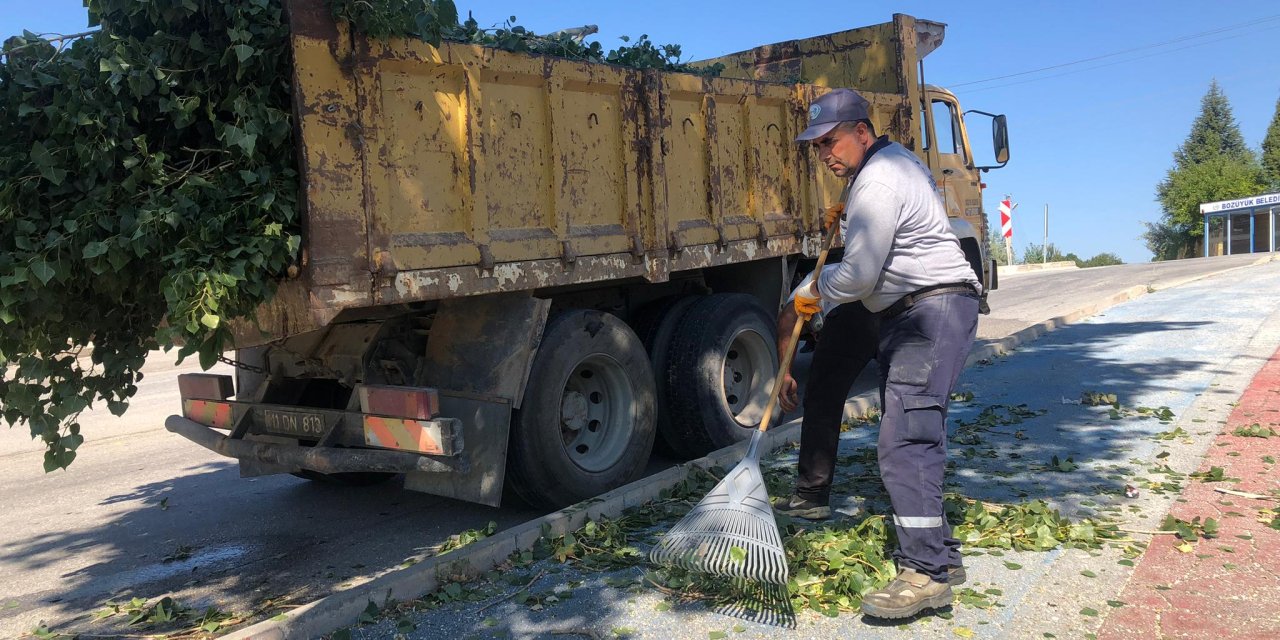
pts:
[995, 248]
[1166, 240]
[1213, 163]
[1104, 259]
[1034, 254]
[1271, 152]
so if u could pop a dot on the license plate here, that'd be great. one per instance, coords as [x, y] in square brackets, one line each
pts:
[292, 423]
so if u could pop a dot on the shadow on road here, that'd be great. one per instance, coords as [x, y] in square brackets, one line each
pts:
[210, 538]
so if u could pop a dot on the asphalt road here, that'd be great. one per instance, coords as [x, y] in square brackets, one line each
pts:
[144, 513]
[1028, 298]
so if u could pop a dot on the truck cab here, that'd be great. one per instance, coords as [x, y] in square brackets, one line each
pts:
[946, 150]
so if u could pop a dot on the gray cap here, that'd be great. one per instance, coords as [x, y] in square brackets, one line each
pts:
[841, 105]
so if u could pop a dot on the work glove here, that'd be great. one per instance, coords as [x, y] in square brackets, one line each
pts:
[831, 217]
[806, 307]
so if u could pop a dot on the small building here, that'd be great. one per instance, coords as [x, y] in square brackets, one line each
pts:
[1244, 225]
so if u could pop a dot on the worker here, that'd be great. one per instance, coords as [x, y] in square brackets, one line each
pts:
[847, 342]
[901, 260]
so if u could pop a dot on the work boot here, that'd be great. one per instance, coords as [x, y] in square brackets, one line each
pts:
[798, 507]
[956, 575]
[910, 593]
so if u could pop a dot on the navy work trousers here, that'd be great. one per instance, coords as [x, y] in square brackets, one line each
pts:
[922, 351]
[845, 346]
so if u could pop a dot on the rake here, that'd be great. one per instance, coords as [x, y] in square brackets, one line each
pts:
[731, 532]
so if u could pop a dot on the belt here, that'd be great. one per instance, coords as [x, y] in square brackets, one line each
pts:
[909, 300]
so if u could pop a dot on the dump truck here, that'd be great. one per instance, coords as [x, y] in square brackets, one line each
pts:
[525, 272]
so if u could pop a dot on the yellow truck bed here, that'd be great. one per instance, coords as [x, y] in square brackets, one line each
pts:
[458, 170]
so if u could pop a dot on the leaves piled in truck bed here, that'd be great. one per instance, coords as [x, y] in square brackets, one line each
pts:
[436, 20]
[149, 189]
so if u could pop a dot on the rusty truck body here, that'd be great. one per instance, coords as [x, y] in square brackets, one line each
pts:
[524, 270]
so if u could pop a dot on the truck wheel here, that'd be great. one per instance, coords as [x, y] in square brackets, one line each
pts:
[586, 423]
[720, 370]
[655, 323]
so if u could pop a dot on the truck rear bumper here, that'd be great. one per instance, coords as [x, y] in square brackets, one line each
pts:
[319, 459]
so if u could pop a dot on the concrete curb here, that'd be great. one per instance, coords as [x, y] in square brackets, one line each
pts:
[343, 608]
[1018, 269]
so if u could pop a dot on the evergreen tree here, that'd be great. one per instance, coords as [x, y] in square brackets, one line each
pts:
[1271, 152]
[1214, 134]
[1212, 164]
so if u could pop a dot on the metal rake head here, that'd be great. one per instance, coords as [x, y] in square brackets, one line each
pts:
[730, 533]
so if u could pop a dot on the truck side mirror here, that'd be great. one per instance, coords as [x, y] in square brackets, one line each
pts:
[999, 138]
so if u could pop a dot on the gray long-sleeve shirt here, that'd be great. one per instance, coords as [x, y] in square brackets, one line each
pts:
[897, 239]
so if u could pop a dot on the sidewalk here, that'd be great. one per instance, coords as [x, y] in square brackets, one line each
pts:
[1228, 586]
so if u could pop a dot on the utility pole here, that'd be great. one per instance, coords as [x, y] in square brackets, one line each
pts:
[1046, 234]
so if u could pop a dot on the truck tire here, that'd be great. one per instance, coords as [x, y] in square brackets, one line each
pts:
[655, 323]
[586, 423]
[720, 369]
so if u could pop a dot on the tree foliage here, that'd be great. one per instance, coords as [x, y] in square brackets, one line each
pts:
[1104, 259]
[1214, 134]
[1271, 152]
[1035, 254]
[1166, 240]
[1212, 164]
[995, 248]
[149, 192]
[149, 187]
[436, 20]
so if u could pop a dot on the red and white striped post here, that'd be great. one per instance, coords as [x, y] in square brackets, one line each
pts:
[1006, 227]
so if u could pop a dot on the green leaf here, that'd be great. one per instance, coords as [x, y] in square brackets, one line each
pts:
[737, 555]
[93, 250]
[42, 271]
[243, 51]
[717, 635]
[210, 320]
[1088, 574]
[1012, 566]
[1089, 612]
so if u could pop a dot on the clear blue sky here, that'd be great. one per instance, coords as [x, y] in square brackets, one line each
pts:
[1092, 140]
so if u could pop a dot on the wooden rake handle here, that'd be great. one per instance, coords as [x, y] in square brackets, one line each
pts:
[827, 241]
